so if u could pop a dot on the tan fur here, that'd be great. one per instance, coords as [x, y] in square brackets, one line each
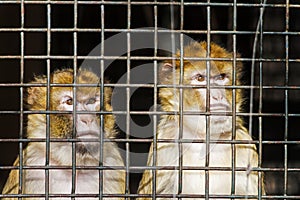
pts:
[194, 127]
[60, 153]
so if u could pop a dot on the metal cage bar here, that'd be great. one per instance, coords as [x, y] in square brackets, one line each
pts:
[182, 20]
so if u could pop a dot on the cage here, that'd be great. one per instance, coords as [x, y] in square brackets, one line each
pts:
[125, 42]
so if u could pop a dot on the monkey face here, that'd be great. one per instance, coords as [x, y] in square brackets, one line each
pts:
[83, 121]
[219, 105]
[79, 117]
[201, 84]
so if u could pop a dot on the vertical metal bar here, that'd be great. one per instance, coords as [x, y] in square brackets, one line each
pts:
[260, 119]
[48, 100]
[181, 108]
[175, 86]
[181, 97]
[286, 98]
[154, 163]
[101, 104]
[207, 139]
[127, 188]
[233, 137]
[73, 187]
[258, 28]
[263, 2]
[181, 113]
[260, 176]
[21, 101]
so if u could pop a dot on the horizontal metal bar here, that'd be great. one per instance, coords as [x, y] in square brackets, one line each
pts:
[150, 196]
[148, 85]
[148, 140]
[96, 30]
[153, 113]
[157, 168]
[48, 112]
[146, 58]
[156, 3]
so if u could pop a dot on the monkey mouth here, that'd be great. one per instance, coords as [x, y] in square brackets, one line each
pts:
[220, 107]
[89, 143]
[85, 149]
[219, 119]
[87, 134]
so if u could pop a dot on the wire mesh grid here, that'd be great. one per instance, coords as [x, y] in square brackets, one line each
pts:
[39, 37]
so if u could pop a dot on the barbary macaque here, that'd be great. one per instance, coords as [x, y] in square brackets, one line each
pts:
[78, 122]
[201, 166]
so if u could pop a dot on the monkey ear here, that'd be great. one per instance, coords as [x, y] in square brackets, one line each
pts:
[107, 95]
[165, 70]
[35, 97]
[167, 67]
[31, 95]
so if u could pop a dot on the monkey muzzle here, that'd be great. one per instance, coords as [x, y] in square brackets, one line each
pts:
[219, 107]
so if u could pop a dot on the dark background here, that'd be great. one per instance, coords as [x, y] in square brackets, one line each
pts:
[280, 40]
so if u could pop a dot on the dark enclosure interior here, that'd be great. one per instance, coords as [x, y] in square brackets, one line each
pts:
[24, 52]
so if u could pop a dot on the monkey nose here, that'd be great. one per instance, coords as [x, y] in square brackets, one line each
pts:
[217, 95]
[86, 119]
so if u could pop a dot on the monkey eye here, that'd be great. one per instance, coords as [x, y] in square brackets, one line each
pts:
[91, 101]
[220, 77]
[199, 77]
[69, 101]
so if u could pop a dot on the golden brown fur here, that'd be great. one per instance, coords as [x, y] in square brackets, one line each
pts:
[60, 153]
[194, 127]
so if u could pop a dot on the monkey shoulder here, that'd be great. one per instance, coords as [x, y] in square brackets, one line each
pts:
[12, 184]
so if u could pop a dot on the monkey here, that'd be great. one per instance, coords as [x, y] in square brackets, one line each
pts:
[84, 128]
[201, 169]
